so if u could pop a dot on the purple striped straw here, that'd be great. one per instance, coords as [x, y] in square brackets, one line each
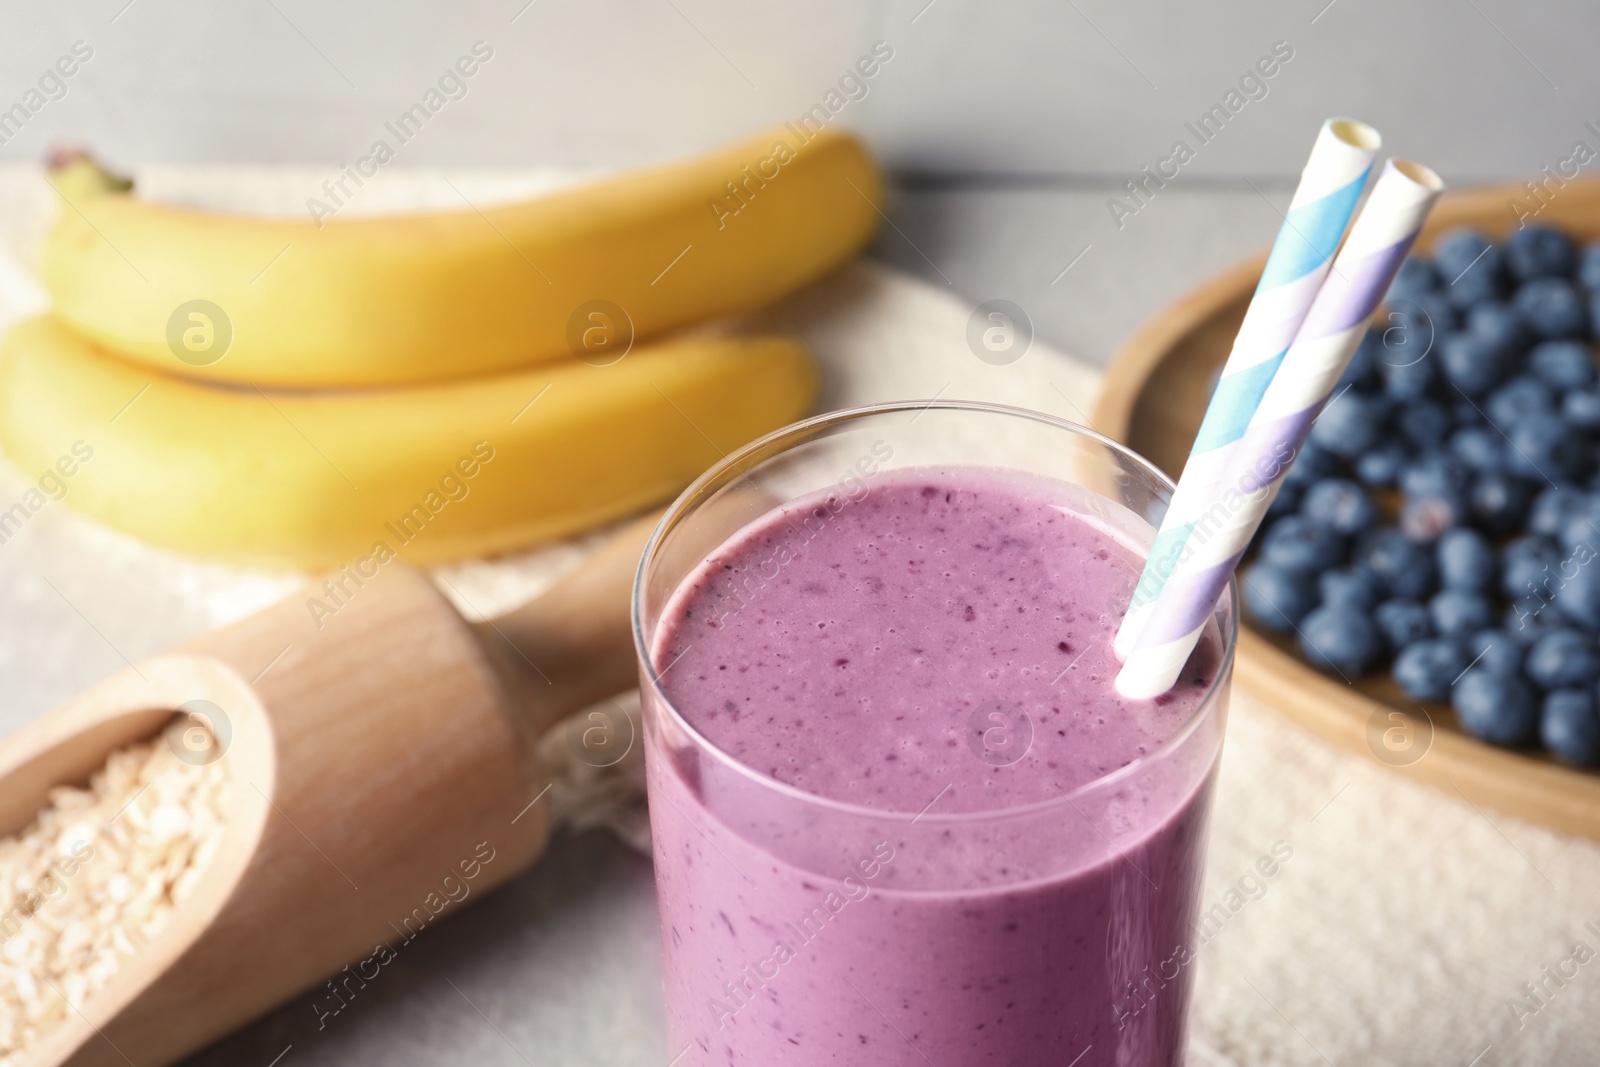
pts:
[1379, 240]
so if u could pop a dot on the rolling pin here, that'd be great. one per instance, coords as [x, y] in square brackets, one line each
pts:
[369, 753]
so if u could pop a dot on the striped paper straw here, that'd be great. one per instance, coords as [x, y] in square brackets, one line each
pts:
[1382, 235]
[1330, 185]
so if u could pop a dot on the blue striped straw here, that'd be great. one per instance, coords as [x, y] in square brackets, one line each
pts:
[1330, 185]
[1378, 243]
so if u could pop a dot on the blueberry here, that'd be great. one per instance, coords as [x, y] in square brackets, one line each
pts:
[1570, 728]
[1355, 587]
[1498, 502]
[1470, 266]
[1471, 363]
[1578, 597]
[1581, 408]
[1415, 277]
[1341, 639]
[1403, 566]
[1467, 413]
[1464, 247]
[1563, 364]
[1425, 423]
[1402, 622]
[1496, 651]
[1544, 449]
[1285, 502]
[1552, 307]
[1499, 324]
[1589, 265]
[1410, 380]
[1312, 463]
[1529, 618]
[1277, 599]
[1361, 373]
[1423, 518]
[1467, 561]
[1349, 426]
[1301, 545]
[1522, 397]
[1457, 613]
[1341, 505]
[1434, 474]
[1553, 507]
[1496, 708]
[1425, 669]
[1412, 325]
[1582, 525]
[1381, 467]
[1540, 252]
[1562, 658]
[1474, 287]
[1526, 564]
[1478, 448]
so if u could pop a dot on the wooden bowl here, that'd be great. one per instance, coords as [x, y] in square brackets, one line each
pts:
[1154, 394]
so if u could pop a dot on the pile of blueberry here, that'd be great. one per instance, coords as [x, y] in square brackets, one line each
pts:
[1444, 515]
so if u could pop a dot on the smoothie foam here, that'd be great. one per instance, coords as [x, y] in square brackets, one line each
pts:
[933, 650]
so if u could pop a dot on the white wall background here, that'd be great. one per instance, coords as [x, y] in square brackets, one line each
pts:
[1035, 89]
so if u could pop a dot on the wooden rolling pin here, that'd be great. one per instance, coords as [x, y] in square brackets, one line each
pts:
[369, 757]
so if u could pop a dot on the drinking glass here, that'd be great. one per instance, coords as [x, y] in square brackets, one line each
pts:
[800, 929]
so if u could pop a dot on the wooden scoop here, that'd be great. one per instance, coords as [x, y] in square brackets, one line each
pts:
[371, 755]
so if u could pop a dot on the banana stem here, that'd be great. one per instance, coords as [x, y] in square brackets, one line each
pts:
[78, 176]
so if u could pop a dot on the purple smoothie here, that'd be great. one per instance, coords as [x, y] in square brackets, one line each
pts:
[925, 828]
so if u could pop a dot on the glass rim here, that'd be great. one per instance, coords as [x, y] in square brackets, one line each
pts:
[806, 427]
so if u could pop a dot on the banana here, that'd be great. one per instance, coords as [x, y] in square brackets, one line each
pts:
[429, 473]
[401, 299]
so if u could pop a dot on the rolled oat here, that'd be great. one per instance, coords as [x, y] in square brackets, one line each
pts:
[97, 875]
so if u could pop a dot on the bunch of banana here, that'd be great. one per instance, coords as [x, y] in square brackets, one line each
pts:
[430, 386]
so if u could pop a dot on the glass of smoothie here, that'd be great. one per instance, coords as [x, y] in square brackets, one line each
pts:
[901, 816]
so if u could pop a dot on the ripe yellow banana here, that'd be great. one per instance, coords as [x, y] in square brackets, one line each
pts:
[426, 472]
[346, 302]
